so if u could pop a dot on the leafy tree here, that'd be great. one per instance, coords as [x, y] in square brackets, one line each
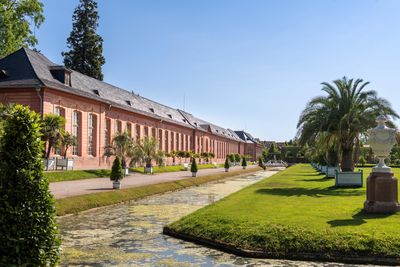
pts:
[226, 165]
[146, 150]
[28, 230]
[15, 18]
[52, 130]
[237, 158]
[86, 46]
[261, 163]
[67, 141]
[121, 146]
[231, 157]
[362, 161]
[117, 173]
[346, 112]
[265, 154]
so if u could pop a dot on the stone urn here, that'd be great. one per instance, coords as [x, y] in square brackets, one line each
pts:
[381, 185]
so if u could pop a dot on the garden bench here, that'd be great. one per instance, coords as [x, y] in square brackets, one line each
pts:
[49, 164]
[65, 163]
[351, 179]
[185, 166]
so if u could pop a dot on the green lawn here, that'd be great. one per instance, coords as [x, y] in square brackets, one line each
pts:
[58, 176]
[294, 214]
[176, 168]
[80, 203]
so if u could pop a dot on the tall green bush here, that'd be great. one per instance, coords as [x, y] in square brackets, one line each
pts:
[226, 166]
[193, 168]
[28, 229]
[244, 162]
[117, 172]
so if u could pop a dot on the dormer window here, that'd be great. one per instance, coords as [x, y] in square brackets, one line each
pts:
[96, 92]
[62, 74]
[170, 116]
[195, 123]
[3, 74]
[152, 109]
[128, 103]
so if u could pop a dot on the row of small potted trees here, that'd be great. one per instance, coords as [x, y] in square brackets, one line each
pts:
[117, 172]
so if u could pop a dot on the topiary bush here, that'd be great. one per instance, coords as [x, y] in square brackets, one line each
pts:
[193, 168]
[226, 165]
[28, 229]
[117, 172]
[244, 162]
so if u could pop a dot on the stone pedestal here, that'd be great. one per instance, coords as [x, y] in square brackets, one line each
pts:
[381, 193]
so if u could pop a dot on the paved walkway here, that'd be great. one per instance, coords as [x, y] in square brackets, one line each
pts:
[89, 186]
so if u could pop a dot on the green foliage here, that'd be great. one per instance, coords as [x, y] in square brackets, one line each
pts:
[244, 162]
[15, 19]
[261, 163]
[237, 157]
[28, 230]
[265, 154]
[72, 205]
[67, 141]
[231, 157]
[146, 150]
[335, 227]
[226, 165]
[362, 161]
[193, 167]
[117, 173]
[52, 131]
[86, 46]
[345, 113]
[59, 176]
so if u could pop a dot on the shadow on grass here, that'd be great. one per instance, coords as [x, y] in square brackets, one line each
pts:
[357, 219]
[312, 192]
[323, 179]
[99, 173]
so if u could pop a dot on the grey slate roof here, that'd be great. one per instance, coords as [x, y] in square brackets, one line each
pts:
[246, 137]
[27, 68]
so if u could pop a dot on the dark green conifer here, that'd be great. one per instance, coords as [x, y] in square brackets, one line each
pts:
[86, 46]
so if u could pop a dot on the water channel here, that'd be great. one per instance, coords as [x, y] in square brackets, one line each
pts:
[131, 234]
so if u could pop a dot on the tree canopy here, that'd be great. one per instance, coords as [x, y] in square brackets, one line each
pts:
[15, 27]
[347, 111]
[86, 46]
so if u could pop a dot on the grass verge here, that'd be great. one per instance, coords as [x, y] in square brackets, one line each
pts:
[59, 176]
[77, 204]
[296, 214]
[176, 168]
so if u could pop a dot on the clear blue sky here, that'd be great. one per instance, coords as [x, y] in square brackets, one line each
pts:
[241, 64]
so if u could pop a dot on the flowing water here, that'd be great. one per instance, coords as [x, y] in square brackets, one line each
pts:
[131, 234]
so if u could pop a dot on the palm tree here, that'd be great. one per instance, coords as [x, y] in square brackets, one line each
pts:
[146, 150]
[345, 113]
[52, 131]
[121, 146]
[67, 141]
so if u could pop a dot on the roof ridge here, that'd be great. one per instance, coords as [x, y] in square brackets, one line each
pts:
[24, 49]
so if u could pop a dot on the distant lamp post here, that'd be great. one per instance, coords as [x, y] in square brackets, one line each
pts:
[381, 185]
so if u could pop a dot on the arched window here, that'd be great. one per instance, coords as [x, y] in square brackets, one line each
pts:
[76, 131]
[92, 135]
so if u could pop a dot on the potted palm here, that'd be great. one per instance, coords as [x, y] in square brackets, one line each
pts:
[193, 168]
[244, 162]
[146, 150]
[226, 164]
[261, 163]
[122, 147]
[52, 131]
[117, 173]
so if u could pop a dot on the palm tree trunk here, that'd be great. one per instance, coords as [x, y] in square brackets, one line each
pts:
[48, 150]
[357, 151]
[347, 163]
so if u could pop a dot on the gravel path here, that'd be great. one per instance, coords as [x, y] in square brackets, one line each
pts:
[89, 186]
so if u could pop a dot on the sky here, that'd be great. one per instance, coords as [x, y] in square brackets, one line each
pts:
[244, 65]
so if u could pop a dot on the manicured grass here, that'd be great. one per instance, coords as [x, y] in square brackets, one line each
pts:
[77, 204]
[58, 176]
[296, 213]
[176, 168]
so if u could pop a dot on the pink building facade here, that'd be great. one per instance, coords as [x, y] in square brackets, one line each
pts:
[95, 111]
